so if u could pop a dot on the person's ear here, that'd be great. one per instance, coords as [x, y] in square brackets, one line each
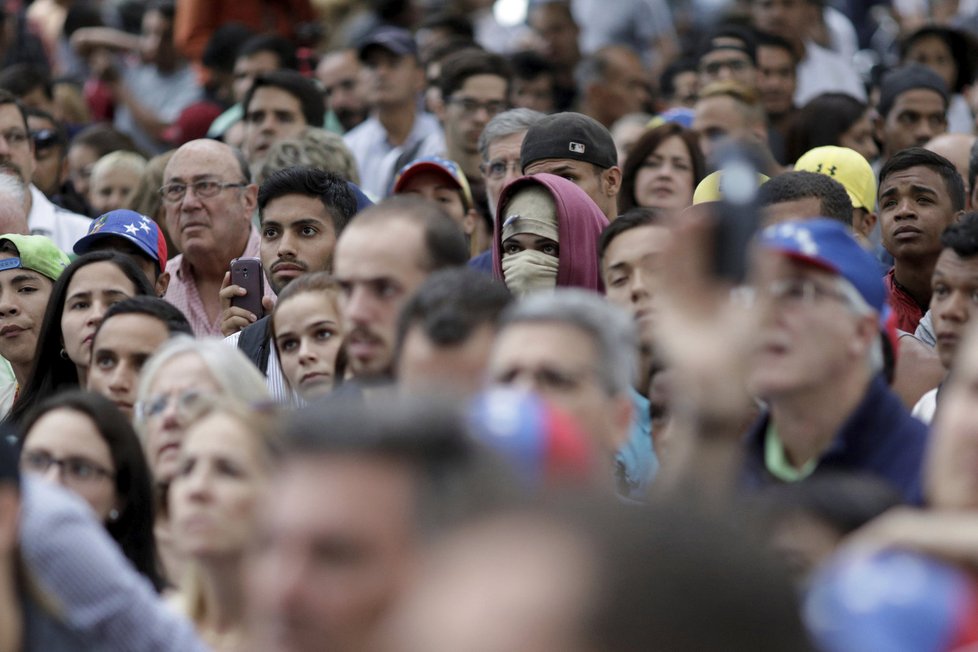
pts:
[162, 283]
[866, 224]
[612, 180]
[469, 221]
[867, 332]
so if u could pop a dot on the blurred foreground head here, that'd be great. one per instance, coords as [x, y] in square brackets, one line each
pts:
[597, 578]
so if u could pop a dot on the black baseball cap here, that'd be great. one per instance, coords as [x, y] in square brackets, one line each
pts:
[393, 39]
[569, 136]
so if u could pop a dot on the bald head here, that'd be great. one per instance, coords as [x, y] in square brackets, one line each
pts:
[957, 149]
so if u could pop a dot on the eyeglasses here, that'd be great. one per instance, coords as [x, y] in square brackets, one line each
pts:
[45, 138]
[187, 403]
[174, 192]
[77, 469]
[470, 106]
[801, 292]
[498, 168]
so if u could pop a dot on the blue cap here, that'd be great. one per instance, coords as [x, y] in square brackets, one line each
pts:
[393, 39]
[828, 244]
[130, 225]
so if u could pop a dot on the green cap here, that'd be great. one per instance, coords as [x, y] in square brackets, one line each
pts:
[37, 253]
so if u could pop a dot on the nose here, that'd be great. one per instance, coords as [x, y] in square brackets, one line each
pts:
[120, 381]
[55, 474]
[286, 246]
[904, 208]
[955, 308]
[637, 286]
[359, 306]
[198, 482]
[307, 352]
[7, 307]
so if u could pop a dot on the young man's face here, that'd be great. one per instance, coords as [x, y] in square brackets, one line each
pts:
[273, 114]
[24, 297]
[914, 209]
[247, 67]
[917, 116]
[954, 296]
[392, 80]
[775, 79]
[467, 111]
[444, 191]
[297, 237]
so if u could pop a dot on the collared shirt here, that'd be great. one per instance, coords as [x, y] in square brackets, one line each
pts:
[376, 157]
[878, 438]
[636, 461]
[63, 227]
[824, 71]
[182, 291]
[274, 377]
[908, 312]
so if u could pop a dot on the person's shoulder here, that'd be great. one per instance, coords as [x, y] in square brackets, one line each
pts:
[363, 132]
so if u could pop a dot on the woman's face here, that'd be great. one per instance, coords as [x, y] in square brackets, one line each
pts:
[91, 291]
[860, 138]
[174, 393]
[665, 179]
[308, 339]
[530, 242]
[113, 189]
[65, 446]
[933, 52]
[221, 474]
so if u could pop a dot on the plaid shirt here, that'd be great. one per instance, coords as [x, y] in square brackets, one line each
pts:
[182, 291]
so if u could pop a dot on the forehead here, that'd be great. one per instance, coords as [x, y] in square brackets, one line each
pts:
[383, 247]
[69, 430]
[920, 100]
[931, 42]
[917, 175]
[132, 332]
[561, 165]
[295, 207]
[99, 273]
[202, 159]
[772, 55]
[10, 116]
[220, 434]
[337, 64]
[950, 264]
[507, 145]
[637, 242]
[429, 179]
[261, 61]
[306, 308]
[543, 342]
[274, 97]
[487, 86]
[185, 371]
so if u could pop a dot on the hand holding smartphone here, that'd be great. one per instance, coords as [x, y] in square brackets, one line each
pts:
[247, 273]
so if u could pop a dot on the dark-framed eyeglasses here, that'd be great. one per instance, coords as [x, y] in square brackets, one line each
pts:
[74, 468]
[204, 189]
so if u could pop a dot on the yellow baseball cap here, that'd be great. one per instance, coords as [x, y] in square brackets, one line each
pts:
[711, 187]
[846, 166]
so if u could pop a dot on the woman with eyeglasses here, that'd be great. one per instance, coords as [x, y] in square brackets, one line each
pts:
[84, 291]
[225, 465]
[82, 442]
[172, 386]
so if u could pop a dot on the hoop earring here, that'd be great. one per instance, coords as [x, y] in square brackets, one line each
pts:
[63, 354]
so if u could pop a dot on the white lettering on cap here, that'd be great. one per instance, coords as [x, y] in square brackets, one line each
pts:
[577, 148]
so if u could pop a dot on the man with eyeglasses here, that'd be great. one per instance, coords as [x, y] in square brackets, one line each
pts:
[474, 88]
[18, 162]
[573, 348]
[817, 364]
[397, 131]
[208, 199]
[728, 53]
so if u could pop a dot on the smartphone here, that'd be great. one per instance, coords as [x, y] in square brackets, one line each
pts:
[737, 214]
[247, 273]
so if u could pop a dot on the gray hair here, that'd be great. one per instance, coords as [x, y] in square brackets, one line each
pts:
[314, 147]
[234, 372]
[506, 124]
[857, 304]
[611, 330]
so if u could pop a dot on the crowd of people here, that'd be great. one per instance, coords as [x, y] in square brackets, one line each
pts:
[395, 326]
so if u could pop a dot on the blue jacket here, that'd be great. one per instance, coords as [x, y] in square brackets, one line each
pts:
[879, 438]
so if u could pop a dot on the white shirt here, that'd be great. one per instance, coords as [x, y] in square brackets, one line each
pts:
[376, 157]
[926, 406]
[63, 227]
[824, 71]
[274, 378]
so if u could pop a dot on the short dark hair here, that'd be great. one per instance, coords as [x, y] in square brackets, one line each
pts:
[800, 184]
[644, 147]
[973, 165]
[451, 304]
[455, 23]
[331, 189]
[633, 218]
[667, 81]
[918, 156]
[104, 139]
[962, 235]
[304, 90]
[456, 69]
[222, 47]
[444, 241]
[456, 477]
[22, 78]
[277, 45]
[822, 121]
[529, 64]
[172, 318]
[962, 45]
[769, 40]
[133, 529]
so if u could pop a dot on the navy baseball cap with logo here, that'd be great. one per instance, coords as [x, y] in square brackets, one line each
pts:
[828, 244]
[393, 39]
[128, 225]
[569, 136]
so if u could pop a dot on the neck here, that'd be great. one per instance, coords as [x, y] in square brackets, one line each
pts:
[22, 371]
[467, 161]
[82, 376]
[221, 592]
[914, 276]
[397, 121]
[809, 421]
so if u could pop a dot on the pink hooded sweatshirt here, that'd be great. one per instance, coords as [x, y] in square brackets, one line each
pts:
[579, 226]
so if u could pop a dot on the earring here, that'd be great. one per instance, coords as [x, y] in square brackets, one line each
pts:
[63, 354]
[113, 515]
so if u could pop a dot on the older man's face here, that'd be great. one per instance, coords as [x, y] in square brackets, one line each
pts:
[205, 227]
[16, 148]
